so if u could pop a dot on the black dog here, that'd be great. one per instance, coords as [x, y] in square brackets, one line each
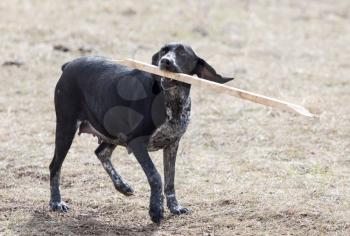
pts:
[131, 108]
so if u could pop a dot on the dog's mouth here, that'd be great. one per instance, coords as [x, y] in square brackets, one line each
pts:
[168, 83]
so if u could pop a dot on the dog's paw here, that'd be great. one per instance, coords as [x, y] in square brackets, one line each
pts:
[59, 206]
[125, 189]
[179, 210]
[156, 214]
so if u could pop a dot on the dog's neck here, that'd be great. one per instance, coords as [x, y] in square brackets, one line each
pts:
[176, 100]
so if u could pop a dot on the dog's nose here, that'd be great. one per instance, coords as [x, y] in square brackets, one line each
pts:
[165, 62]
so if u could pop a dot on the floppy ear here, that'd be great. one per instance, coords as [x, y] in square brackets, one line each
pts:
[155, 59]
[205, 71]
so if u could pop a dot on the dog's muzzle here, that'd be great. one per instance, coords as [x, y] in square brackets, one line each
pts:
[168, 65]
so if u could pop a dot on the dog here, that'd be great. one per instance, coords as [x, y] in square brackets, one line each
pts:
[127, 107]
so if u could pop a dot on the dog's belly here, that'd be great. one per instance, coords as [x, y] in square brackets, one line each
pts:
[163, 136]
[86, 127]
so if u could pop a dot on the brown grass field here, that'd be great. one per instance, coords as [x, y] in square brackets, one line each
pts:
[243, 169]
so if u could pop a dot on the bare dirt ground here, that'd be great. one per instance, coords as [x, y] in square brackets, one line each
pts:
[242, 168]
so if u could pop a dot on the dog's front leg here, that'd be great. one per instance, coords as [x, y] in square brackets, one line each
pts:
[169, 159]
[139, 148]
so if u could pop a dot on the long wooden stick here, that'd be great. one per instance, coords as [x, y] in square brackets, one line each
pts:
[246, 95]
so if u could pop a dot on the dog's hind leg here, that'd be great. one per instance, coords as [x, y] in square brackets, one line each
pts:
[169, 159]
[67, 110]
[104, 153]
[64, 136]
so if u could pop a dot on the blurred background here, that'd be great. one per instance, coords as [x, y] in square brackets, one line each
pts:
[242, 168]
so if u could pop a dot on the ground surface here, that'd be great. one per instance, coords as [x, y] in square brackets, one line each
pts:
[242, 168]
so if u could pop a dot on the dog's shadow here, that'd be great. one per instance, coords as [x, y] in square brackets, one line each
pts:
[44, 222]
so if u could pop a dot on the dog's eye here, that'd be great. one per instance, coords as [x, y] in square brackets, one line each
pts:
[164, 50]
[181, 51]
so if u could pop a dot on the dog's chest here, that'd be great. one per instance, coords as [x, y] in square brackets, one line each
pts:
[175, 125]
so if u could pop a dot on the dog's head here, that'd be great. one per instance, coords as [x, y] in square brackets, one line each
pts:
[180, 58]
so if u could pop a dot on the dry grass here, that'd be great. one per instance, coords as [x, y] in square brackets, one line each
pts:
[242, 168]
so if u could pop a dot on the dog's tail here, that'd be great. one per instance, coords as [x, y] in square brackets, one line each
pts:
[64, 65]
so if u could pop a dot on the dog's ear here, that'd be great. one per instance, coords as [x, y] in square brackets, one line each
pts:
[155, 59]
[205, 71]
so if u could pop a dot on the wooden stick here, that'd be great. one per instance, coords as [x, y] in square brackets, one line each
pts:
[246, 95]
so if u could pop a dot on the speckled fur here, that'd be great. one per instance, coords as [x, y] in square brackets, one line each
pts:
[178, 109]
